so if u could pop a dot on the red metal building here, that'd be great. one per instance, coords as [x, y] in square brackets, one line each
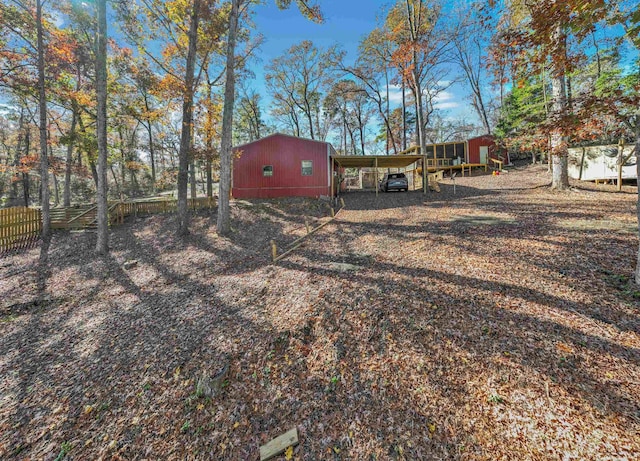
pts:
[482, 148]
[282, 166]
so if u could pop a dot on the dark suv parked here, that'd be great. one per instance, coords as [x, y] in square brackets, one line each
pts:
[394, 181]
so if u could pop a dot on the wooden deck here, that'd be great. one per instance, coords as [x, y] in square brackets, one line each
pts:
[84, 216]
[451, 168]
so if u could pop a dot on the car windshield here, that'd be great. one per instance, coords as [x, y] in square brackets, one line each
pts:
[396, 176]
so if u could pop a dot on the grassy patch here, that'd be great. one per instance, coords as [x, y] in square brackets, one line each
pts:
[483, 220]
[597, 225]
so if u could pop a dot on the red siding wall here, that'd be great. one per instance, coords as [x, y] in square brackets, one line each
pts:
[474, 148]
[285, 154]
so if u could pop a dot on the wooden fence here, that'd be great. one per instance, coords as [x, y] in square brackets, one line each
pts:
[19, 228]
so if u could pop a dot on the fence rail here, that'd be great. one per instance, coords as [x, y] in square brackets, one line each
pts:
[20, 228]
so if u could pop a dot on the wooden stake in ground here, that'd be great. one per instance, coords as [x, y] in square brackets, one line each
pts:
[278, 445]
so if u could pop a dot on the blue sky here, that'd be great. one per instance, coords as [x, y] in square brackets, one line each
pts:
[346, 23]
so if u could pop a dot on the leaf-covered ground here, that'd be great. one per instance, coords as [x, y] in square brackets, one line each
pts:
[496, 323]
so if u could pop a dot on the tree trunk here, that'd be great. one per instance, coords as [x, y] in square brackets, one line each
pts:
[123, 157]
[192, 177]
[44, 154]
[202, 181]
[417, 93]
[559, 152]
[638, 183]
[386, 81]
[559, 174]
[25, 174]
[152, 156]
[13, 195]
[102, 243]
[344, 123]
[115, 180]
[404, 116]
[66, 195]
[94, 171]
[417, 88]
[134, 183]
[224, 218]
[209, 178]
[187, 121]
[310, 119]
[482, 110]
[209, 140]
[361, 129]
[353, 141]
[25, 189]
[56, 188]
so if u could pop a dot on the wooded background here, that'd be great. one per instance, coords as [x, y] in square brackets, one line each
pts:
[176, 91]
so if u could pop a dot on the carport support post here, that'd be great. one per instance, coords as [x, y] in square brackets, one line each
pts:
[376, 167]
[331, 168]
[413, 176]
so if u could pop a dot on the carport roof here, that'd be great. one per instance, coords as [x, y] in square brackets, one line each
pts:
[369, 161]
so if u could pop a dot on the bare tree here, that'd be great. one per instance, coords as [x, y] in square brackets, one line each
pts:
[301, 74]
[468, 53]
[372, 71]
[418, 30]
[250, 123]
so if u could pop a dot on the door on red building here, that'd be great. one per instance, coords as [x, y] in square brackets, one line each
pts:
[484, 154]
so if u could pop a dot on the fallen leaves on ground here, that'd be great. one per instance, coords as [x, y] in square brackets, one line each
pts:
[496, 323]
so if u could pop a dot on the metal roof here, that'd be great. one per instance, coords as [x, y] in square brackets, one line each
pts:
[369, 161]
[281, 135]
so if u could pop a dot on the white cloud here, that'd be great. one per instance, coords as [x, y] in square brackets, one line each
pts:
[447, 105]
[446, 100]
[395, 94]
[443, 100]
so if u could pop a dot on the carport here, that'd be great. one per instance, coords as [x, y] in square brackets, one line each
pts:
[377, 161]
